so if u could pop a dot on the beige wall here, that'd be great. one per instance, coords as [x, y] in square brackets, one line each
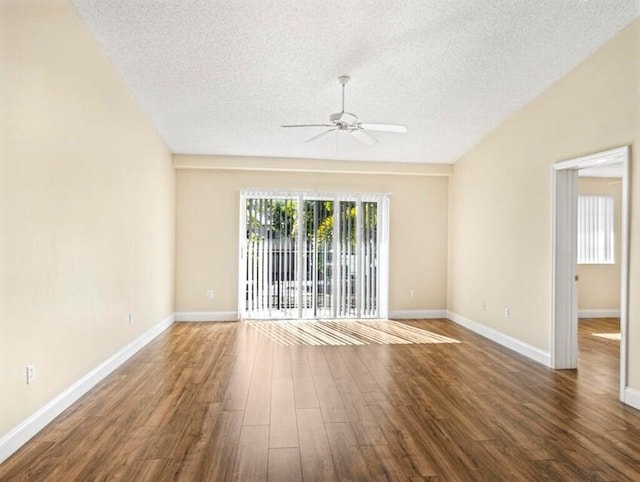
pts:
[500, 195]
[86, 208]
[207, 203]
[599, 284]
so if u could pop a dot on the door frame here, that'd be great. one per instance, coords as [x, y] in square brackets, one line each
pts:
[564, 317]
[383, 241]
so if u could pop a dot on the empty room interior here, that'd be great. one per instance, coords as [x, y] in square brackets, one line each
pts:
[322, 241]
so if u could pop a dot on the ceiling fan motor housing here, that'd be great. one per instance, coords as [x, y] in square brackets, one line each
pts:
[343, 118]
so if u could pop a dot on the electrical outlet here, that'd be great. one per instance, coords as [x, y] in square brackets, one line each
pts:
[484, 306]
[31, 374]
[130, 318]
[412, 293]
[210, 294]
[507, 312]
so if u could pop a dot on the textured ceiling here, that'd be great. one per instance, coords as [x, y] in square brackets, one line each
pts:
[219, 77]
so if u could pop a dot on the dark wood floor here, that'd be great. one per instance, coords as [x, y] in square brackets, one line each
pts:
[222, 402]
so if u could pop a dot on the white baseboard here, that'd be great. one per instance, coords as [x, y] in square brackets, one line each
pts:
[417, 314]
[632, 398]
[16, 438]
[507, 341]
[198, 316]
[610, 313]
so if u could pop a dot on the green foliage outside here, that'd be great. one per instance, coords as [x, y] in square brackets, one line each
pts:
[278, 218]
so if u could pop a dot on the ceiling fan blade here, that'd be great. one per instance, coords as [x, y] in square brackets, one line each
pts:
[362, 136]
[385, 128]
[324, 133]
[308, 125]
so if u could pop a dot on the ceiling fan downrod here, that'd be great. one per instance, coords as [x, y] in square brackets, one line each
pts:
[343, 80]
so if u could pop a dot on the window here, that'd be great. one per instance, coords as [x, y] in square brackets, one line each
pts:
[595, 230]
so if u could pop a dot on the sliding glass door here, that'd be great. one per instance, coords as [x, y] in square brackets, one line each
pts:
[313, 256]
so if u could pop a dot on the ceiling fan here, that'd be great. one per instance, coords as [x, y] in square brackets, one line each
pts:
[349, 123]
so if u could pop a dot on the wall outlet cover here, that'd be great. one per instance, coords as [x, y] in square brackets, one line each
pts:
[31, 374]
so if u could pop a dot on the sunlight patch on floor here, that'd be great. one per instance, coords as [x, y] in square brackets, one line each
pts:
[346, 332]
[609, 336]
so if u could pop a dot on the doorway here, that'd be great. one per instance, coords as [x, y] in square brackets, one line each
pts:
[564, 322]
[313, 256]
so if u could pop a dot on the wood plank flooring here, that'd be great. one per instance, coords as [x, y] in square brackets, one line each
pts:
[221, 401]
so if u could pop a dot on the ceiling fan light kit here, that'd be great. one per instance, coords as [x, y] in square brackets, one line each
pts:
[349, 123]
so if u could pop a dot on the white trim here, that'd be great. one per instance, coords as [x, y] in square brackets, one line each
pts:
[632, 398]
[314, 195]
[417, 314]
[530, 351]
[203, 316]
[619, 154]
[21, 434]
[624, 271]
[609, 313]
[242, 246]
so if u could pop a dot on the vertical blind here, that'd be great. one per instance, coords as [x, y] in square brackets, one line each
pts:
[595, 230]
[312, 256]
[271, 252]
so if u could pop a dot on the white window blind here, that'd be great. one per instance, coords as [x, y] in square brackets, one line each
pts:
[595, 230]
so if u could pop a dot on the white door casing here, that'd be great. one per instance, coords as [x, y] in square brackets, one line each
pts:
[564, 328]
